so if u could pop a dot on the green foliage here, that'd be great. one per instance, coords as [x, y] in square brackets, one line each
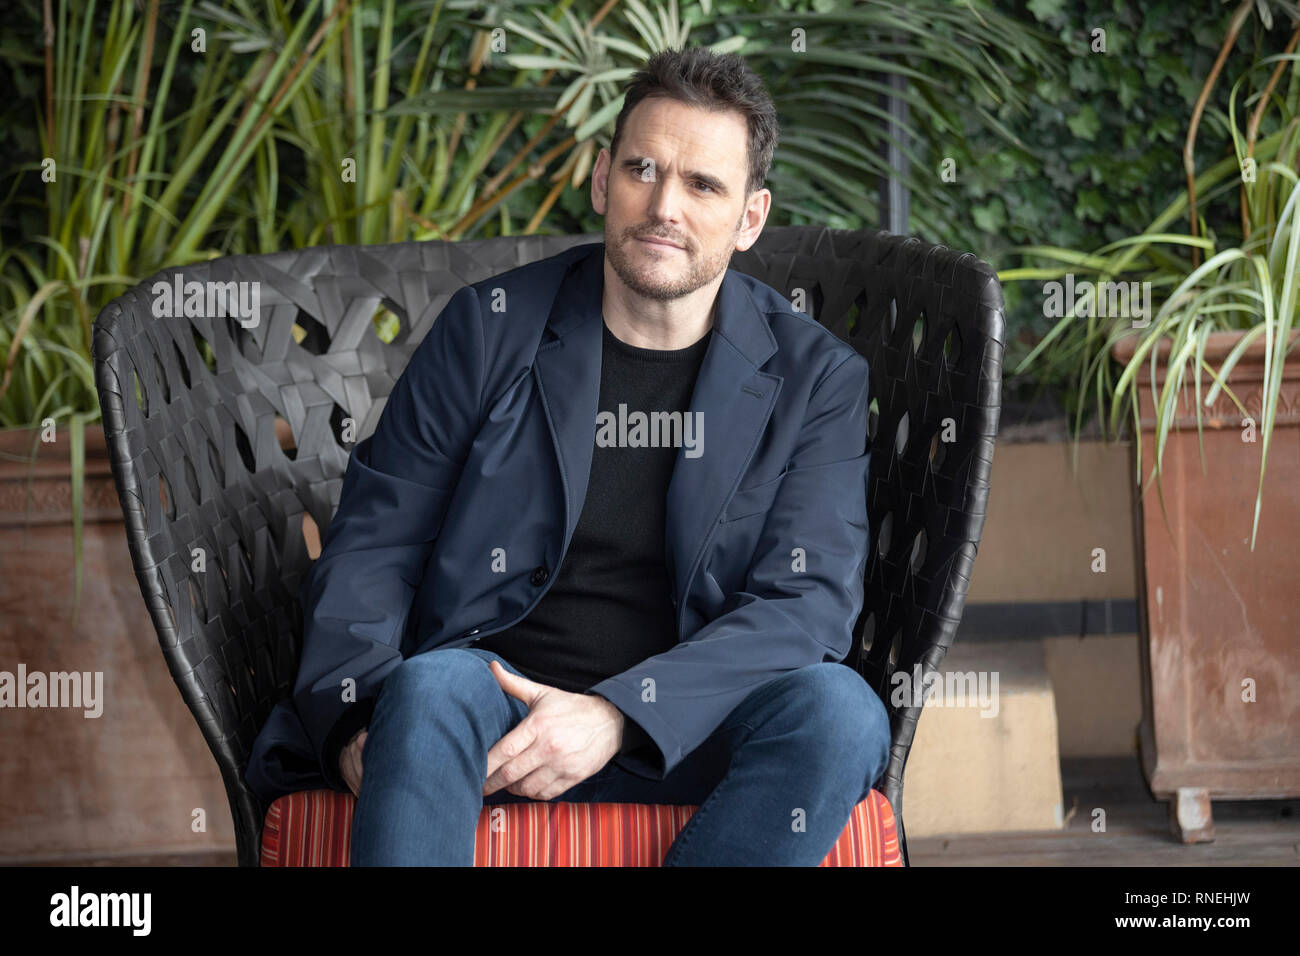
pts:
[1250, 281]
[1100, 149]
[167, 154]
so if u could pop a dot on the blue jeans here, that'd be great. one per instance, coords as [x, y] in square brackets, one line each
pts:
[775, 783]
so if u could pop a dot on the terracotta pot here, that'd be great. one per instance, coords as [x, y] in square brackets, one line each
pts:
[1220, 622]
[129, 780]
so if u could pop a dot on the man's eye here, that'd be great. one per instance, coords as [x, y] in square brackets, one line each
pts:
[705, 185]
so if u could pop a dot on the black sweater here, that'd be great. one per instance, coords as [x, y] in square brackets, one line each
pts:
[610, 604]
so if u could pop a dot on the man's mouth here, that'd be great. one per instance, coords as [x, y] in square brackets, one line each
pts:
[660, 243]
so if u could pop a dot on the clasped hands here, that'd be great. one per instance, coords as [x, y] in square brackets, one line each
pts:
[565, 738]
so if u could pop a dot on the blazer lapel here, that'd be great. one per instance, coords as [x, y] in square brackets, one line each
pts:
[568, 377]
[734, 399]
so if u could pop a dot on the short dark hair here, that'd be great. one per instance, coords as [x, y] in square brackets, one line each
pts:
[716, 81]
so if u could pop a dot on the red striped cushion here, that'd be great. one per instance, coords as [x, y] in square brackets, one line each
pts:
[314, 828]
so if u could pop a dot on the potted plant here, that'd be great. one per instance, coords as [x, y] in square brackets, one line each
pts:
[1214, 414]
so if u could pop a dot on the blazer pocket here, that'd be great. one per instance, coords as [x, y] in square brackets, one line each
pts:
[754, 500]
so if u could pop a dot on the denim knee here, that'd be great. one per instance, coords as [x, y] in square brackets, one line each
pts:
[443, 676]
[845, 715]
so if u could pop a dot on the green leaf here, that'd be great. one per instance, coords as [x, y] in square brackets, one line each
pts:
[1046, 10]
[1166, 128]
[990, 217]
[1084, 76]
[1091, 205]
[1085, 124]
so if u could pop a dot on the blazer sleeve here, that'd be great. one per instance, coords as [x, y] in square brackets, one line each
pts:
[357, 596]
[785, 618]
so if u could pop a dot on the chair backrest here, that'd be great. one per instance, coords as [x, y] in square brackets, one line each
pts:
[214, 506]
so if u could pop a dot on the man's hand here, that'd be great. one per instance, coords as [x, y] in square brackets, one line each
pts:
[564, 739]
[350, 761]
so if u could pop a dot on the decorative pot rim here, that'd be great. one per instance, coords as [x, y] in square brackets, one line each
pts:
[1217, 346]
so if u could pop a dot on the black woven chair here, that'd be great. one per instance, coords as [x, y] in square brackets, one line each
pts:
[191, 408]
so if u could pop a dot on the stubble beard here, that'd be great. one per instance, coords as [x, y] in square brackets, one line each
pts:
[647, 279]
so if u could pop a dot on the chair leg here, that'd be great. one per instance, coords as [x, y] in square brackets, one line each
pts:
[249, 816]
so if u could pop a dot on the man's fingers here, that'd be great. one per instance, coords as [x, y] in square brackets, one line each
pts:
[514, 771]
[538, 785]
[510, 747]
[516, 686]
[352, 765]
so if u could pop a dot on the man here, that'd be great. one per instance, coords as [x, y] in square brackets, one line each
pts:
[506, 609]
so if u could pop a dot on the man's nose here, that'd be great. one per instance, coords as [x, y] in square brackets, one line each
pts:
[665, 200]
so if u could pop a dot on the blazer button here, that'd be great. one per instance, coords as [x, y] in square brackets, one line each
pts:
[540, 575]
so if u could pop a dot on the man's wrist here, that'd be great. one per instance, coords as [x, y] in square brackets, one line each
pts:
[620, 717]
[617, 714]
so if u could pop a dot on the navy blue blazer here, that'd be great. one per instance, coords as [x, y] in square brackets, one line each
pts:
[486, 442]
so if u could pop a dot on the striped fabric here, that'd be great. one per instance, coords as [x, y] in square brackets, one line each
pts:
[314, 828]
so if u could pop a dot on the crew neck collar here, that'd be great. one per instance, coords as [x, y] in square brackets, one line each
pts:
[693, 350]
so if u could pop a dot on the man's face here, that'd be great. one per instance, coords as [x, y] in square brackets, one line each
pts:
[679, 177]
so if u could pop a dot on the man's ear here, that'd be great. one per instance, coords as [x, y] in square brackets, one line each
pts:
[600, 182]
[753, 218]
